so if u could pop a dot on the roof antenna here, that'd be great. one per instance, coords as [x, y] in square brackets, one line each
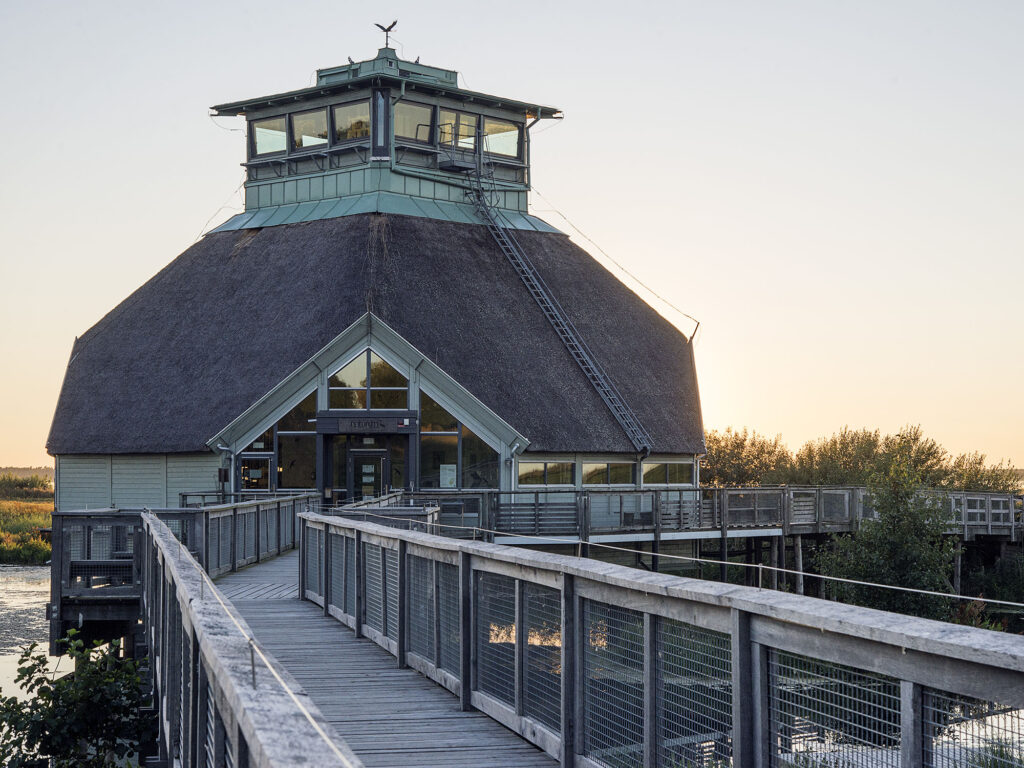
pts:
[387, 32]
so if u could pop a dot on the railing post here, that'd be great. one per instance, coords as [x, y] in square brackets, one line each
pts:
[328, 567]
[403, 604]
[650, 691]
[758, 700]
[357, 609]
[567, 758]
[234, 540]
[303, 557]
[466, 644]
[724, 541]
[259, 531]
[911, 752]
[277, 527]
[743, 730]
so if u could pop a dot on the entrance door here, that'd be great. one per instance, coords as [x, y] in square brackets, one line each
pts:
[368, 473]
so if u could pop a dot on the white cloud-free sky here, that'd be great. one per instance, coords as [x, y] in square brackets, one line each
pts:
[834, 189]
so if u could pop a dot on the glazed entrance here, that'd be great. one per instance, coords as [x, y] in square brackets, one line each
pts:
[364, 466]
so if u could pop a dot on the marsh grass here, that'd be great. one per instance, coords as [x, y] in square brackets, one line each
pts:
[20, 540]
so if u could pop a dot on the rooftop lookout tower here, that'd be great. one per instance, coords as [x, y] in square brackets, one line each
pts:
[385, 136]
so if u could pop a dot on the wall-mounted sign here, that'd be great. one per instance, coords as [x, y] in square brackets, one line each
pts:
[448, 475]
[328, 423]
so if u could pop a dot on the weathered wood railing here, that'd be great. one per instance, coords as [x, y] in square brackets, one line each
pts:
[677, 512]
[602, 665]
[95, 562]
[219, 703]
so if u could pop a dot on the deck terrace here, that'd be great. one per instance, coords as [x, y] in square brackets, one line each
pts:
[387, 716]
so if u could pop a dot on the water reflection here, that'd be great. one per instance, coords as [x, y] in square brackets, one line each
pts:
[24, 592]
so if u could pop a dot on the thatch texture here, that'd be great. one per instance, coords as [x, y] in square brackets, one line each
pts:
[237, 312]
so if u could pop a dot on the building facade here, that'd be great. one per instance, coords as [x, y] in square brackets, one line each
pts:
[384, 314]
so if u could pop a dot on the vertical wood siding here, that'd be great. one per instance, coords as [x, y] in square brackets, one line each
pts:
[154, 480]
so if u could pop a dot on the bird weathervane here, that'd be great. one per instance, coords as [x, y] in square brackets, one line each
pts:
[387, 32]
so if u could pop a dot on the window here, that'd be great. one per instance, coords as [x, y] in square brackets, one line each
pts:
[309, 129]
[289, 447]
[413, 122]
[457, 129]
[352, 121]
[269, 136]
[501, 137]
[368, 381]
[255, 472]
[451, 455]
[296, 461]
[616, 473]
[547, 473]
[668, 473]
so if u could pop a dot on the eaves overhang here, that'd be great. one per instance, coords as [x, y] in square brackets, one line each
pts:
[233, 108]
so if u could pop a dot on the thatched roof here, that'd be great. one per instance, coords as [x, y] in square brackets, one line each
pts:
[237, 312]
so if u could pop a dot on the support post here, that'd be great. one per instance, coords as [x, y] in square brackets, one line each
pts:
[798, 557]
[723, 554]
[567, 758]
[466, 643]
[911, 752]
[303, 556]
[357, 611]
[957, 568]
[403, 604]
[743, 725]
[650, 691]
[326, 567]
[773, 560]
[762, 733]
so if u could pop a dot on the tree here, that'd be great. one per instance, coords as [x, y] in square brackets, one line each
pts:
[744, 458]
[846, 458]
[88, 719]
[904, 546]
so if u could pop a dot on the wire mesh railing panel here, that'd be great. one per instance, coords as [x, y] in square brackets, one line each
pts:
[101, 541]
[831, 715]
[421, 606]
[613, 689]
[338, 570]
[213, 547]
[542, 673]
[313, 561]
[695, 695]
[373, 582]
[250, 534]
[225, 541]
[186, 689]
[211, 733]
[962, 732]
[496, 635]
[391, 592]
[350, 575]
[448, 617]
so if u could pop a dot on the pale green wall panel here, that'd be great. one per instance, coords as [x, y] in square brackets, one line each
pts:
[139, 481]
[188, 472]
[83, 482]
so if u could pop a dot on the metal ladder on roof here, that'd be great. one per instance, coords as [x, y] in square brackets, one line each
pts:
[553, 311]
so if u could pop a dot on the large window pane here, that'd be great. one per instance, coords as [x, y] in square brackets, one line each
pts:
[346, 398]
[458, 128]
[439, 459]
[296, 461]
[531, 473]
[620, 474]
[352, 121]
[560, 473]
[264, 442]
[680, 473]
[301, 418]
[654, 473]
[255, 474]
[595, 474]
[479, 462]
[413, 121]
[352, 375]
[339, 463]
[434, 418]
[309, 129]
[467, 131]
[269, 135]
[383, 375]
[389, 398]
[398, 446]
[501, 137]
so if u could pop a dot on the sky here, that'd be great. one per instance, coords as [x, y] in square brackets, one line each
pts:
[834, 189]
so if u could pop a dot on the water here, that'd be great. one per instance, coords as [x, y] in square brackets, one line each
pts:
[24, 592]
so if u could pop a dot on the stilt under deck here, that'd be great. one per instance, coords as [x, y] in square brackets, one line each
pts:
[387, 716]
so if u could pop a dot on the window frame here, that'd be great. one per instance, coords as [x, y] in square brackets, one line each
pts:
[456, 133]
[333, 127]
[368, 388]
[572, 480]
[608, 474]
[292, 149]
[461, 427]
[519, 138]
[253, 153]
[432, 128]
[691, 463]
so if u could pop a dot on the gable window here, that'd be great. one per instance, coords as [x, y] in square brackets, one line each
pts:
[283, 457]
[368, 381]
[457, 129]
[309, 129]
[269, 136]
[547, 473]
[352, 121]
[613, 473]
[414, 122]
[668, 473]
[451, 455]
[501, 137]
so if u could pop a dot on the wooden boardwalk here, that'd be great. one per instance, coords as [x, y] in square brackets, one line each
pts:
[387, 716]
